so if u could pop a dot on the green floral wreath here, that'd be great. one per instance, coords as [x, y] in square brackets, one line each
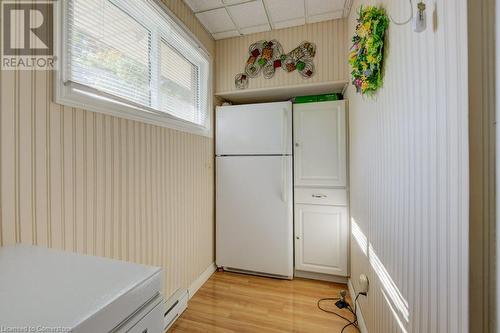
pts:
[367, 49]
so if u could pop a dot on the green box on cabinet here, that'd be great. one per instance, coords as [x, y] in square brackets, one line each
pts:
[318, 98]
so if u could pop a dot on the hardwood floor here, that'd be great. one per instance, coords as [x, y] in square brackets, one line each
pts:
[230, 302]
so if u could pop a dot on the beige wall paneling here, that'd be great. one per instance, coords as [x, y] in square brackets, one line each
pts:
[330, 59]
[90, 183]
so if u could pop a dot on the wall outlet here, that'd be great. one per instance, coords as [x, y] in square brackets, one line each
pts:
[363, 284]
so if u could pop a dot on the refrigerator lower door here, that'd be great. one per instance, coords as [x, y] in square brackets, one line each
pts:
[254, 222]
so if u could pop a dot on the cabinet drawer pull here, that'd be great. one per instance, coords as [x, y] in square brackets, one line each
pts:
[319, 196]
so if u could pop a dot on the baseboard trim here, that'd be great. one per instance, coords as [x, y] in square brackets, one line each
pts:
[321, 277]
[242, 271]
[200, 281]
[361, 321]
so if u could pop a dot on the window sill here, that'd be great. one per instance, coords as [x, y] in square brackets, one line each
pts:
[76, 98]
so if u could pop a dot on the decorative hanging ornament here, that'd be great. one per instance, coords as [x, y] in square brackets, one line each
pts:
[241, 81]
[268, 56]
[420, 21]
[367, 51]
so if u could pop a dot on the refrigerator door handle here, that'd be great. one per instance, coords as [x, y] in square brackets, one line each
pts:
[284, 179]
[285, 132]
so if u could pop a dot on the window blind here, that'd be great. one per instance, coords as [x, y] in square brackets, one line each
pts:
[134, 51]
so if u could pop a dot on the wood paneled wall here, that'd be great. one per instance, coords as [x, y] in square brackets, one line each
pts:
[330, 60]
[89, 183]
[409, 176]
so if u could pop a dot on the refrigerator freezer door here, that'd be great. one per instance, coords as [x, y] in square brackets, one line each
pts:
[254, 129]
[254, 214]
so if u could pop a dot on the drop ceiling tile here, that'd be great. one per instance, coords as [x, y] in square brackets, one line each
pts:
[338, 14]
[284, 10]
[202, 5]
[289, 23]
[233, 2]
[248, 14]
[326, 16]
[217, 20]
[230, 18]
[255, 29]
[317, 7]
[226, 34]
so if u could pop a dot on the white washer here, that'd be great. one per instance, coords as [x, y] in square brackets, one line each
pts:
[54, 291]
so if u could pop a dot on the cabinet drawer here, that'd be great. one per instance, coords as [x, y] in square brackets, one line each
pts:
[319, 196]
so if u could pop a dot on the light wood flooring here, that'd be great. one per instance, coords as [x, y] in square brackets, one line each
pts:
[230, 302]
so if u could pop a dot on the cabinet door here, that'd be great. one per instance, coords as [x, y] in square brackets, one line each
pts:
[320, 144]
[321, 234]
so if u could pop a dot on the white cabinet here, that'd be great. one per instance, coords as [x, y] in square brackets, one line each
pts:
[321, 239]
[320, 144]
[321, 205]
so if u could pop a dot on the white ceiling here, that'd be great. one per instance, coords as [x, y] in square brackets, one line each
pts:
[229, 18]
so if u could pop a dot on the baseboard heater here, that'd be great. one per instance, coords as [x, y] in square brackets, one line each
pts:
[175, 306]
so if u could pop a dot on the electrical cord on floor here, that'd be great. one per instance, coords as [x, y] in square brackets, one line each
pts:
[346, 326]
[349, 322]
[328, 311]
[355, 322]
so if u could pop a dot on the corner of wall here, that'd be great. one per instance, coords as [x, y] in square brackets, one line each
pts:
[359, 313]
[200, 281]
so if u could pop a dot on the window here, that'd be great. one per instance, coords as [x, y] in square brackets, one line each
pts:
[179, 78]
[131, 59]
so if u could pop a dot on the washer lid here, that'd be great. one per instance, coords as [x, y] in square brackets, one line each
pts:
[42, 287]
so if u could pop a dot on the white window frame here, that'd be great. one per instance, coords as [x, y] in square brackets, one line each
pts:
[70, 95]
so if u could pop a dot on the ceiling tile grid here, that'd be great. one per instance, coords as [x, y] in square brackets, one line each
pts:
[230, 18]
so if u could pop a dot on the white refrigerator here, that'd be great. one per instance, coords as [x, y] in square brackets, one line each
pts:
[254, 203]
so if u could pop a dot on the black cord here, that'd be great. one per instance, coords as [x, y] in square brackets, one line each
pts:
[346, 326]
[355, 305]
[355, 322]
[328, 311]
[335, 313]
[350, 322]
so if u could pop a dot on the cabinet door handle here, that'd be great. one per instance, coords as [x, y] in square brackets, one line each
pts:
[319, 196]
[297, 237]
